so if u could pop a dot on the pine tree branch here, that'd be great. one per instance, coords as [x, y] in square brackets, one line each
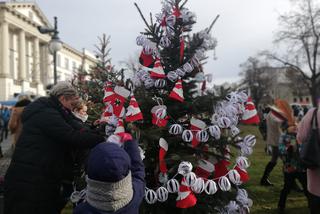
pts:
[214, 21]
[142, 16]
[185, 2]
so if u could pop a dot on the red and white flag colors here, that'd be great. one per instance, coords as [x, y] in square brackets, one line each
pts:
[157, 71]
[162, 153]
[120, 96]
[146, 59]
[108, 92]
[177, 91]
[186, 197]
[133, 111]
[195, 126]
[204, 168]
[250, 115]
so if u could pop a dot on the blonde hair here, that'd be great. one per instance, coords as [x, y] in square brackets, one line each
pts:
[79, 105]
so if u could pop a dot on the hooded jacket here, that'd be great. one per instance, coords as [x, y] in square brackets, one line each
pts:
[111, 165]
[36, 169]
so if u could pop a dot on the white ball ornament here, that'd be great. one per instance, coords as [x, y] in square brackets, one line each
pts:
[187, 136]
[202, 136]
[165, 42]
[215, 132]
[234, 177]
[243, 162]
[224, 184]
[215, 118]
[160, 83]
[199, 186]
[162, 194]
[172, 76]
[175, 129]
[148, 83]
[250, 140]
[190, 178]
[187, 67]
[140, 40]
[246, 150]
[211, 187]
[224, 122]
[173, 186]
[181, 72]
[151, 196]
[234, 131]
[185, 167]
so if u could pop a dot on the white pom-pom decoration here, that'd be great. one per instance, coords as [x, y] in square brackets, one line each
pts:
[165, 42]
[246, 150]
[161, 112]
[215, 132]
[243, 162]
[198, 186]
[224, 122]
[243, 96]
[175, 129]
[160, 83]
[232, 207]
[250, 140]
[234, 131]
[181, 72]
[173, 186]
[211, 187]
[172, 76]
[190, 178]
[151, 196]
[234, 177]
[148, 83]
[140, 40]
[224, 184]
[162, 194]
[215, 118]
[187, 67]
[185, 167]
[202, 136]
[187, 136]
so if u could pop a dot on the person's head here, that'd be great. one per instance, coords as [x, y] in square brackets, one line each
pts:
[66, 94]
[80, 110]
[22, 103]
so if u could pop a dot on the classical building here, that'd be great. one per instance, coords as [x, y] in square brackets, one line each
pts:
[26, 66]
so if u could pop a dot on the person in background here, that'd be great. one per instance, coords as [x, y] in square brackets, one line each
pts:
[119, 188]
[15, 124]
[33, 180]
[292, 166]
[5, 114]
[1, 134]
[313, 175]
[274, 119]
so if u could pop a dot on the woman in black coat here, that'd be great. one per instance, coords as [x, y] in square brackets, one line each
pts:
[33, 180]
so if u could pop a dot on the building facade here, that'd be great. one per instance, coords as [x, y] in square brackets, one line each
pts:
[26, 65]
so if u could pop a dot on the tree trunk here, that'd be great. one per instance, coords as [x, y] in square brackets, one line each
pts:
[313, 93]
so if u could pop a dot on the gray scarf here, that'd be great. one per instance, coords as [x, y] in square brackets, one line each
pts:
[108, 196]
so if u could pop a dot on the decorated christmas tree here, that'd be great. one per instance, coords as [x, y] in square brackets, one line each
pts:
[195, 159]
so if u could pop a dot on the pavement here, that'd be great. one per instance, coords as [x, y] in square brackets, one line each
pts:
[7, 153]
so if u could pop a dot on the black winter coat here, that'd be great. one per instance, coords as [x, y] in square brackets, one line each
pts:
[32, 182]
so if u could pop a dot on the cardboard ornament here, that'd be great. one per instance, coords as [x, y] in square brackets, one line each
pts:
[157, 71]
[146, 59]
[133, 111]
[162, 153]
[250, 115]
[186, 197]
[119, 98]
[108, 92]
[244, 176]
[158, 120]
[204, 168]
[221, 168]
[177, 92]
[196, 125]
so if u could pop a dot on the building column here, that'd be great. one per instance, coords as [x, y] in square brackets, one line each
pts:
[22, 56]
[36, 61]
[4, 39]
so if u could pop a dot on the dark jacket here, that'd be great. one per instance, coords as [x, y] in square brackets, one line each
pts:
[138, 182]
[34, 176]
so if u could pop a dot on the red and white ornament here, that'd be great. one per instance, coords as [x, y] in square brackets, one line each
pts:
[108, 92]
[177, 92]
[157, 71]
[185, 167]
[204, 168]
[120, 96]
[190, 178]
[234, 177]
[186, 198]
[159, 115]
[250, 115]
[162, 153]
[133, 111]
[243, 162]
[196, 125]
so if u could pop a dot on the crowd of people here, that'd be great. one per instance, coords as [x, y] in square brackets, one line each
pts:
[57, 153]
[286, 129]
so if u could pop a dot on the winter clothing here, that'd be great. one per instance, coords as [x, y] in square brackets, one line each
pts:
[15, 124]
[115, 180]
[313, 175]
[33, 179]
[292, 167]
[273, 130]
[303, 134]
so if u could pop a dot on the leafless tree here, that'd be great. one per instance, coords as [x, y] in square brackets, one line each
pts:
[255, 76]
[300, 33]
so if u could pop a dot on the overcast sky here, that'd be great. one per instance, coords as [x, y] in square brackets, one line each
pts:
[244, 27]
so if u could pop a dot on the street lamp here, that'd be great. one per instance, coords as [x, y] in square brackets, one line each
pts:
[54, 45]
